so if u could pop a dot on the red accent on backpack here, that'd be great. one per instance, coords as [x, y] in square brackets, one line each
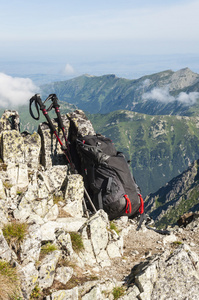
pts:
[128, 205]
[141, 209]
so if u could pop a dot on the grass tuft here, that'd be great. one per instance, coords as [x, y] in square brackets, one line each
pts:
[114, 227]
[118, 292]
[7, 185]
[77, 242]
[36, 293]
[48, 248]
[57, 199]
[9, 283]
[15, 232]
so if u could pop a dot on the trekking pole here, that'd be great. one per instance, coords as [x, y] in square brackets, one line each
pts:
[89, 199]
[38, 103]
[56, 106]
[85, 207]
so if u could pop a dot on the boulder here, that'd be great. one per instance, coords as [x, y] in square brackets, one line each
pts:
[12, 147]
[5, 252]
[80, 125]
[31, 246]
[51, 152]
[20, 148]
[47, 269]
[71, 294]
[28, 277]
[73, 195]
[63, 274]
[9, 121]
[99, 244]
[32, 149]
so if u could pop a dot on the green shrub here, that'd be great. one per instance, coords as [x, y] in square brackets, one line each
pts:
[77, 242]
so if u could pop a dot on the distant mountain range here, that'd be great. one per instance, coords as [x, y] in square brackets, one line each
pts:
[162, 93]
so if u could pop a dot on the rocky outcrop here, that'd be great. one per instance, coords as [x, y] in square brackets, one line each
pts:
[165, 276]
[66, 255]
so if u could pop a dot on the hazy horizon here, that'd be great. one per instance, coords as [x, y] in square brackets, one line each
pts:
[58, 40]
[128, 67]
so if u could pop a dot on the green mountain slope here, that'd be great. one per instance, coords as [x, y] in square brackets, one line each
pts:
[156, 94]
[159, 147]
[179, 196]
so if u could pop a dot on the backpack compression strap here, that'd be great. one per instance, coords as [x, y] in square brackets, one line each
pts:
[141, 209]
[128, 205]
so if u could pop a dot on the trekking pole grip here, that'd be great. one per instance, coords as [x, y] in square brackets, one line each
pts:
[37, 100]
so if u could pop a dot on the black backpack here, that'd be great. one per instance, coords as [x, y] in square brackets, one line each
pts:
[107, 177]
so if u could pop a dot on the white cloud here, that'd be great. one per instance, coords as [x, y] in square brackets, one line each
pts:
[159, 94]
[163, 95]
[189, 98]
[146, 82]
[69, 70]
[15, 91]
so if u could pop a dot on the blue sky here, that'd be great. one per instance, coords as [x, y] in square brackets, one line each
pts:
[129, 38]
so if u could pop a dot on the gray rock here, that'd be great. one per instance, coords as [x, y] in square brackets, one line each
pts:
[95, 238]
[2, 191]
[94, 294]
[70, 223]
[31, 246]
[54, 177]
[28, 276]
[64, 295]
[73, 195]
[51, 153]
[80, 124]
[47, 269]
[63, 274]
[32, 149]
[12, 147]
[168, 276]
[5, 252]
[115, 249]
[9, 121]
[17, 174]
[64, 242]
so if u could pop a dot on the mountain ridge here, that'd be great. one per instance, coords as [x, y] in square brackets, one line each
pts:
[151, 94]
